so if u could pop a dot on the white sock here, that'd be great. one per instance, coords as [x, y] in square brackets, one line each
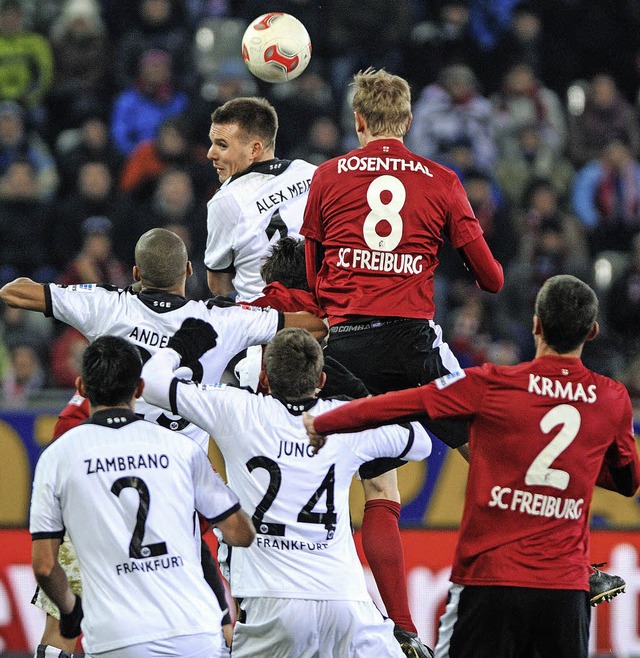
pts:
[47, 651]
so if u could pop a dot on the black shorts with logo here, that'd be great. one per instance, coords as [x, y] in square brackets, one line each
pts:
[392, 354]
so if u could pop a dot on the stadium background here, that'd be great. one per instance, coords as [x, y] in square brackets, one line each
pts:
[575, 40]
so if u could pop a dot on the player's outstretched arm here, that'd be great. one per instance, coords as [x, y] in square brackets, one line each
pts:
[52, 579]
[486, 270]
[303, 320]
[237, 529]
[24, 293]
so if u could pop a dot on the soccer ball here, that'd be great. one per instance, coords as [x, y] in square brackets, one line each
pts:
[276, 47]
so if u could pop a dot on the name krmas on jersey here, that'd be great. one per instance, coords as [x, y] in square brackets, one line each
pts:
[283, 195]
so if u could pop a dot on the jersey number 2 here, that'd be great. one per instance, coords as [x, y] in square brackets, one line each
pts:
[540, 471]
[306, 515]
[136, 549]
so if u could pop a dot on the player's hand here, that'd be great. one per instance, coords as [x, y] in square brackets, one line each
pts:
[192, 340]
[316, 440]
[70, 622]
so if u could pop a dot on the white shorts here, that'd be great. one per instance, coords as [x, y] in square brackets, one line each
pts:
[302, 628]
[200, 645]
[69, 562]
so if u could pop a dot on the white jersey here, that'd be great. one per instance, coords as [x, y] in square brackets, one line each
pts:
[148, 319]
[126, 491]
[300, 502]
[249, 213]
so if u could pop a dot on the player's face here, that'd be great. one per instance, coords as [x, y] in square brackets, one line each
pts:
[232, 151]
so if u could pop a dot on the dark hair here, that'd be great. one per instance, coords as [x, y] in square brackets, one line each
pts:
[567, 308]
[111, 368]
[293, 364]
[286, 265]
[161, 257]
[255, 116]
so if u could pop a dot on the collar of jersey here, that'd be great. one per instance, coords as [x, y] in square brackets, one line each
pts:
[275, 167]
[113, 417]
[151, 295]
[298, 407]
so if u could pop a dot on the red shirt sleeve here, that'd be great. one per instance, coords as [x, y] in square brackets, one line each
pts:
[370, 412]
[620, 470]
[76, 411]
[486, 270]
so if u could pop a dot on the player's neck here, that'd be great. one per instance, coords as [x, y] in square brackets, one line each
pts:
[367, 139]
[546, 350]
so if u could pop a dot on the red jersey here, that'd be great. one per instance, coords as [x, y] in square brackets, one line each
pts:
[75, 411]
[540, 432]
[379, 213]
[275, 295]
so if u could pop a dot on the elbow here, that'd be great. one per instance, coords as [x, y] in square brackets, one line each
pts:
[247, 537]
[493, 283]
[42, 569]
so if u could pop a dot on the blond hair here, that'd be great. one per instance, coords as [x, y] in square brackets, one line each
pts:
[383, 100]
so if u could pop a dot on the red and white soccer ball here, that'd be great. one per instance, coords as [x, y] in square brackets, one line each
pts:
[276, 47]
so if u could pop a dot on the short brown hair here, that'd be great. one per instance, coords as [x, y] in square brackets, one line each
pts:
[161, 257]
[255, 116]
[567, 308]
[293, 363]
[383, 100]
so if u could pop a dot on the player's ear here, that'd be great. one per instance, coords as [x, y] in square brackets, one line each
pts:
[139, 388]
[80, 386]
[537, 326]
[595, 330]
[257, 150]
[136, 273]
[409, 120]
[189, 269]
[321, 382]
[263, 379]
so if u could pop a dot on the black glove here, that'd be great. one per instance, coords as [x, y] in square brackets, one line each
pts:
[192, 340]
[70, 623]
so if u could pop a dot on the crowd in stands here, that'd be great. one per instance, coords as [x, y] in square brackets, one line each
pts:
[105, 110]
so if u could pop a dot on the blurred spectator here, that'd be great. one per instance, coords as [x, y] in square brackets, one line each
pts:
[533, 160]
[24, 224]
[494, 217]
[91, 142]
[94, 197]
[323, 142]
[171, 148]
[95, 262]
[490, 21]
[607, 115]
[373, 35]
[24, 377]
[140, 110]
[82, 65]
[19, 143]
[173, 202]
[542, 207]
[606, 198]
[522, 43]
[548, 253]
[66, 357]
[449, 111]
[26, 62]
[622, 305]
[157, 25]
[20, 327]
[524, 101]
[437, 43]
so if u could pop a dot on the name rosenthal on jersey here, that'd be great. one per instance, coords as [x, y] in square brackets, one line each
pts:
[149, 318]
[251, 212]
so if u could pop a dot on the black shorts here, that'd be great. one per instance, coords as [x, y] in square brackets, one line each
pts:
[392, 354]
[514, 622]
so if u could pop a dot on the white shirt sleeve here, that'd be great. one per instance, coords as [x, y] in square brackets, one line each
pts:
[214, 499]
[222, 220]
[46, 511]
[410, 442]
[85, 306]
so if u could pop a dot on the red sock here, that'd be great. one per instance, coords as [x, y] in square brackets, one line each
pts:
[383, 549]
